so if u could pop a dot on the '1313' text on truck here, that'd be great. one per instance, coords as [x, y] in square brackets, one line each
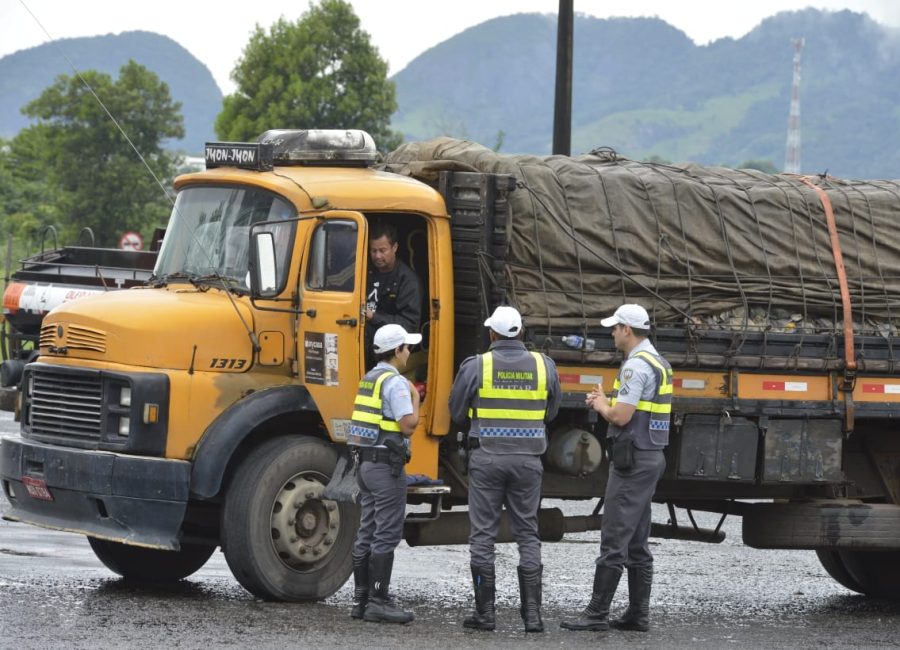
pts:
[208, 408]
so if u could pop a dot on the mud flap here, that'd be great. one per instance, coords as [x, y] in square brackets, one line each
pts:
[343, 485]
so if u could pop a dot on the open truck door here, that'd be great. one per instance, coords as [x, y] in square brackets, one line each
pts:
[331, 335]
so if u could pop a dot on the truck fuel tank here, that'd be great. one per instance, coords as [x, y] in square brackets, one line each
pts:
[573, 451]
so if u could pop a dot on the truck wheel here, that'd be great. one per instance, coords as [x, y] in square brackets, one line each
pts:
[833, 564]
[280, 539]
[150, 564]
[877, 572]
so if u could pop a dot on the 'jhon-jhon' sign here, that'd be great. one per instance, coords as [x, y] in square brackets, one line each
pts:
[246, 155]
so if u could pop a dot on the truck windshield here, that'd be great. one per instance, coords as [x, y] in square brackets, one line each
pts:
[209, 233]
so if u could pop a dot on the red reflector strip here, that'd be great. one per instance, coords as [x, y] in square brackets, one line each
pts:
[689, 384]
[786, 386]
[893, 389]
[588, 380]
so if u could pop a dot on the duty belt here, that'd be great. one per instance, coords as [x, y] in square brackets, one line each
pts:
[374, 455]
[474, 443]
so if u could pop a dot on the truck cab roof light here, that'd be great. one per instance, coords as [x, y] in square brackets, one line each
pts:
[323, 147]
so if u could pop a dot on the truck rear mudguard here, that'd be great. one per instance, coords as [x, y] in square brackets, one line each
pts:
[129, 499]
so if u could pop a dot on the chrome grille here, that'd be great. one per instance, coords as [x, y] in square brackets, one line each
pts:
[66, 404]
[85, 338]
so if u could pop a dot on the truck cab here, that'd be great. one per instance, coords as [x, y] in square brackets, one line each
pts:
[204, 408]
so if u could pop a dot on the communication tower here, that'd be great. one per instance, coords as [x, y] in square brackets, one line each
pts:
[792, 150]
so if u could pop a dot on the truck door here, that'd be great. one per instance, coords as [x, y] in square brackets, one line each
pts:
[331, 337]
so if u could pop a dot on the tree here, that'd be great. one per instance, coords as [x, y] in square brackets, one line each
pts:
[27, 201]
[321, 72]
[94, 176]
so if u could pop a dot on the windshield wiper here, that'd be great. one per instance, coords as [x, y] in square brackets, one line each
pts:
[224, 281]
[163, 280]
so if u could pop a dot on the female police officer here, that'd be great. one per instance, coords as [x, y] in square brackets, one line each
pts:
[385, 414]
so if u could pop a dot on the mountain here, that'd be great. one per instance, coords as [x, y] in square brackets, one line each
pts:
[24, 75]
[641, 87]
[644, 88]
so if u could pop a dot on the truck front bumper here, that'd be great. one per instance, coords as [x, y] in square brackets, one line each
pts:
[130, 499]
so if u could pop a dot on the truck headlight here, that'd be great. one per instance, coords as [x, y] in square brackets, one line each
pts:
[125, 396]
[124, 426]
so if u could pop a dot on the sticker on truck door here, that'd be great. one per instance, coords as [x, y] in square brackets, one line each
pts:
[320, 359]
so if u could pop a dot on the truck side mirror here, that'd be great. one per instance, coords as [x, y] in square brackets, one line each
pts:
[263, 282]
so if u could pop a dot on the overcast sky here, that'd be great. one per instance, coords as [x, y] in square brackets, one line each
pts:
[401, 29]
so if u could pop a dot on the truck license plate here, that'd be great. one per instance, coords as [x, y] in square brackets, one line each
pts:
[37, 488]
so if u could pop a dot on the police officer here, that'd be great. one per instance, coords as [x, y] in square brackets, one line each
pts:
[385, 414]
[638, 415]
[508, 394]
[393, 294]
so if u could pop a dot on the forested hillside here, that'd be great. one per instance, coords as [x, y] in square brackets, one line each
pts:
[643, 88]
[640, 86]
[25, 74]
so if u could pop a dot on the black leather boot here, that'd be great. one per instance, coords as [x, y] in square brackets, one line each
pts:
[596, 615]
[637, 616]
[381, 607]
[360, 586]
[530, 594]
[484, 617]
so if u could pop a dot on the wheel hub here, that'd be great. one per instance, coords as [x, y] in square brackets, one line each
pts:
[304, 526]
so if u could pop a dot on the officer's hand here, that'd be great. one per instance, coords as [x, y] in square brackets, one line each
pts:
[369, 314]
[596, 398]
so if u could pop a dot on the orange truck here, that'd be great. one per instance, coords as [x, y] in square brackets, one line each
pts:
[208, 408]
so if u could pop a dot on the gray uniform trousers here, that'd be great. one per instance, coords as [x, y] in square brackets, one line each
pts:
[511, 480]
[382, 501]
[625, 530]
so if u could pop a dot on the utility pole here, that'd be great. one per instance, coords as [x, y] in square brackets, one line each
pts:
[792, 149]
[562, 108]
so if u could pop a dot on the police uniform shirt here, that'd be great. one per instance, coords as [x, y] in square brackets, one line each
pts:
[468, 381]
[637, 378]
[396, 400]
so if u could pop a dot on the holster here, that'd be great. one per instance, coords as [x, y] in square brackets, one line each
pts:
[399, 456]
[462, 448]
[622, 455]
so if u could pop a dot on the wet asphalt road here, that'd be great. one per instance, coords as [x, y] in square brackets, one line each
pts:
[55, 594]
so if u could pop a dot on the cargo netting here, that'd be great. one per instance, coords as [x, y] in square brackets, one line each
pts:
[702, 248]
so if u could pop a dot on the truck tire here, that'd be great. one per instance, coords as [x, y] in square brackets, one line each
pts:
[833, 564]
[150, 565]
[281, 541]
[876, 572]
[823, 525]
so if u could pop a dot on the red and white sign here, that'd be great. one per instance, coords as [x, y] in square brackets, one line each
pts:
[786, 386]
[689, 384]
[588, 380]
[131, 241]
[889, 389]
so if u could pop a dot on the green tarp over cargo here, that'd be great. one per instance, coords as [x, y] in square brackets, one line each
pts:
[716, 247]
